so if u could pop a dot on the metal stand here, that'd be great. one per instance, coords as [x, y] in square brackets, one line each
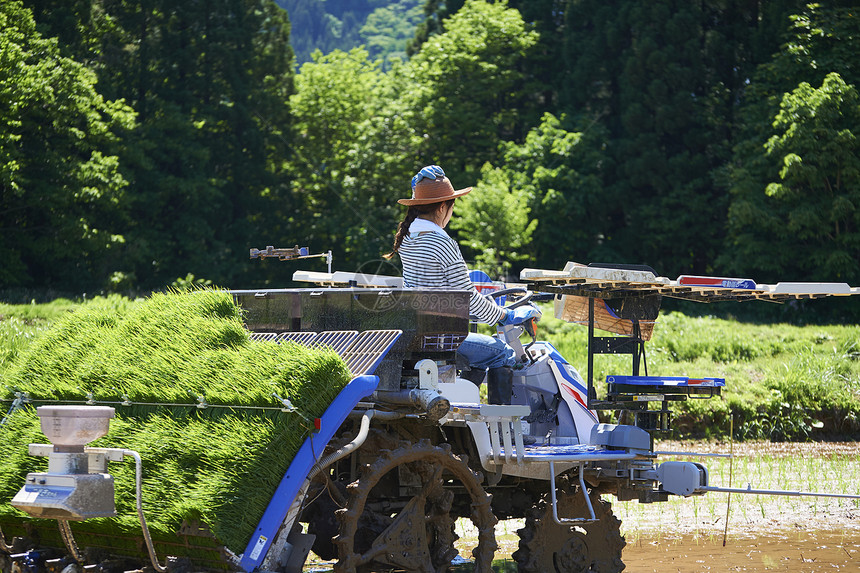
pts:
[633, 345]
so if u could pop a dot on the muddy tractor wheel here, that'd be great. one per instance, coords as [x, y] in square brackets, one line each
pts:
[546, 546]
[379, 531]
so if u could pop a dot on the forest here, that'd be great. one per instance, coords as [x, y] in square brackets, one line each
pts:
[141, 143]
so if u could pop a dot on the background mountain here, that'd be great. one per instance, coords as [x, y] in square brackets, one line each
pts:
[384, 27]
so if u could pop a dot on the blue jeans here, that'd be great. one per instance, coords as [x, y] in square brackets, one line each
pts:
[484, 352]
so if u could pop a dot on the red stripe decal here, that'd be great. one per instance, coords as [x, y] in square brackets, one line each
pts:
[575, 394]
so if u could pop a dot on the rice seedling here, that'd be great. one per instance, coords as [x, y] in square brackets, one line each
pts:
[821, 467]
[193, 395]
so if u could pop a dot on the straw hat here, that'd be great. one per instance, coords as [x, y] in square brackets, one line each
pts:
[427, 190]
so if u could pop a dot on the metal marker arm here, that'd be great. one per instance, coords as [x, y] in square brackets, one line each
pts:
[582, 488]
[788, 493]
[289, 254]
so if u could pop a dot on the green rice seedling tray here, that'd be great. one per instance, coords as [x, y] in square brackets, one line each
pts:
[202, 404]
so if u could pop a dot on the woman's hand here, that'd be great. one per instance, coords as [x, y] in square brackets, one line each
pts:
[520, 314]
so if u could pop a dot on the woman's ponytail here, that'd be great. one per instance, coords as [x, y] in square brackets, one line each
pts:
[412, 213]
[403, 229]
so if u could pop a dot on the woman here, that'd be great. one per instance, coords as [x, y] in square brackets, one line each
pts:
[432, 259]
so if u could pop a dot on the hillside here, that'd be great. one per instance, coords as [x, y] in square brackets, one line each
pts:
[382, 26]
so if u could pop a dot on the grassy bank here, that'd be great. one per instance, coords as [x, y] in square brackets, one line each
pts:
[783, 382]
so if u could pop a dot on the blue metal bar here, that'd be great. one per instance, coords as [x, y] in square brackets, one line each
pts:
[668, 381]
[308, 454]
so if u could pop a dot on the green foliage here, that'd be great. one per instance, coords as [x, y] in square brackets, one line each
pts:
[155, 361]
[494, 222]
[389, 28]
[60, 183]
[465, 86]
[783, 120]
[559, 171]
[636, 129]
[204, 164]
[435, 12]
[15, 336]
[21, 324]
[660, 78]
[190, 282]
[783, 382]
[353, 158]
[818, 191]
[40, 314]
[384, 27]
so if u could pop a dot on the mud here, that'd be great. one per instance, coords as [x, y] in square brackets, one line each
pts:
[806, 552]
[764, 533]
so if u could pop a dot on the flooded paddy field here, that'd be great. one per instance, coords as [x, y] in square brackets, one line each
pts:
[768, 551]
[764, 533]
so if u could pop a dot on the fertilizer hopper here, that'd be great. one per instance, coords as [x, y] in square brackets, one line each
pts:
[76, 485]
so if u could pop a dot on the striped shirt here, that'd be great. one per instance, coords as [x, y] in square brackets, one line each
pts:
[432, 259]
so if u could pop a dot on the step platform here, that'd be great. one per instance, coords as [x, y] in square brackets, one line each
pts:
[572, 453]
[498, 434]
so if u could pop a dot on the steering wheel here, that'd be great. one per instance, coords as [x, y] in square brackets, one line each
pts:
[528, 325]
[513, 290]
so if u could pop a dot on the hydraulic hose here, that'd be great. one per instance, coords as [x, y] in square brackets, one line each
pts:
[340, 453]
[69, 540]
[138, 471]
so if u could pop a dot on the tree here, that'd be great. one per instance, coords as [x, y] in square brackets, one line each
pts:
[667, 80]
[820, 41]
[494, 222]
[210, 83]
[385, 26]
[464, 86]
[388, 29]
[353, 157]
[60, 185]
[435, 12]
[558, 174]
[361, 131]
[813, 208]
[640, 70]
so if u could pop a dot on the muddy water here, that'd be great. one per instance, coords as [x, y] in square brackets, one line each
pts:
[807, 552]
[764, 533]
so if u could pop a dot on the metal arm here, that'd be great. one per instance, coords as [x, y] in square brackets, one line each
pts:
[289, 254]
